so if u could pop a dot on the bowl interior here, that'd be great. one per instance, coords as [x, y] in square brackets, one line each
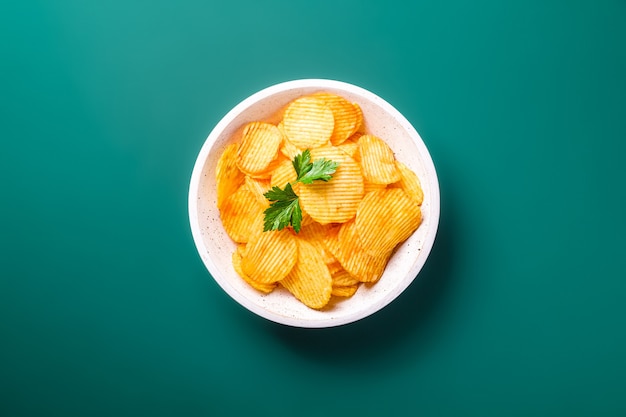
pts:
[216, 248]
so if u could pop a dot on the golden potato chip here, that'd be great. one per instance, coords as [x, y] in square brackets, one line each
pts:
[259, 147]
[377, 160]
[331, 240]
[308, 122]
[356, 136]
[315, 233]
[236, 258]
[228, 177]
[334, 201]
[347, 116]
[242, 214]
[334, 267]
[344, 291]
[309, 280]
[258, 187]
[283, 174]
[342, 278]
[266, 174]
[410, 183]
[359, 111]
[386, 218]
[366, 267]
[269, 256]
[281, 127]
[289, 150]
[306, 218]
[351, 148]
[346, 247]
[370, 186]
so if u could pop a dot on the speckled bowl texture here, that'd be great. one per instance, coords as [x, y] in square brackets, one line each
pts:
[215, 247]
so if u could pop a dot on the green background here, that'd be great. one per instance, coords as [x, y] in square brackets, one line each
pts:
[107, 310]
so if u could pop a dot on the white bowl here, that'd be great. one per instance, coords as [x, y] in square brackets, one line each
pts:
[215, 247]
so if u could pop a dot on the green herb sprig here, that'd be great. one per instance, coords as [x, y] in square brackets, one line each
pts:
[284, 209]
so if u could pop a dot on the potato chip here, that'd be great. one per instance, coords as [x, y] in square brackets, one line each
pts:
[346, 247]
[334, 267]
[356, 136]
[377, 160]
[370, 186]
[386, 218]
[331, 240]
[309, 280]
[283, 174]
[342, 278]
[242, 214]
[344, 291]
[289, 150]
[351, 148]
[228, 177]
[308, 122]
[347, 116]
[410, 183]
[315, 233]
[306, 218]
[258, 187]
[366, 267]
[334, 201]
[259, 147]
[266, 174]
[269, 256]
[236, 258]
[360, 120]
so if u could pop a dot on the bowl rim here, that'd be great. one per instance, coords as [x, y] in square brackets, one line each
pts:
[268, 92]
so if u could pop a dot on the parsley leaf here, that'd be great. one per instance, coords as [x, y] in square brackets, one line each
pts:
[302, 163]
[322, 169]
[284, 209]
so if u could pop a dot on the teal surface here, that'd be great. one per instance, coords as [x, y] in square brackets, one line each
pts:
[107, 310]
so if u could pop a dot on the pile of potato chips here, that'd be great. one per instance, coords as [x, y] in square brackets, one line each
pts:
[350, 225]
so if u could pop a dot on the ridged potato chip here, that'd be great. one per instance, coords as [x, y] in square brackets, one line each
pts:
[283, 174]
[410, 183]
[365, 266]
[308, 122]
[342, 278]
[306, 218]
[377, 160]
[347, 116]
[288, 149]
[351, 148]
[360, 119]
[370, 186]
[334, 267]
[309, 280]
[344, 291]
[266, 174]
[315, 233]
[266, 288]
[269, 256]
[258, 187]
[228, 177]
[334, 201]
[242, 214]
[385, 218]
[259, 147]
[346, 247]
